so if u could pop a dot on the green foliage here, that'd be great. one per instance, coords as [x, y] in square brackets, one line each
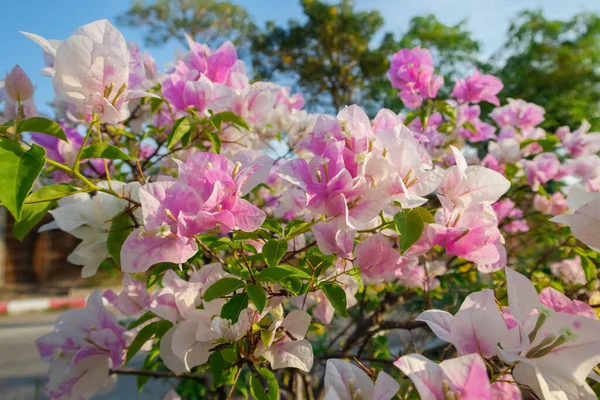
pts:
[553, 63]
[154, 329]
[336, 296]
[221, 288]
[227, 117]
[273, 251]
[181, 128]
[258, 296]
[120, 228]
[221, 370]
[19, 169]
[410, 225]
[328, 54]
[208, 21]
[37, 204]
[232, 309]
[274, 274]
[42, 125]
[258, 391]
[104, 150]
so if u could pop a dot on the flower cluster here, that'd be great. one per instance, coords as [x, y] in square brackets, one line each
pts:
[246, 270]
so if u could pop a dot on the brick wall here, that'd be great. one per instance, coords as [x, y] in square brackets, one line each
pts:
[39, 258]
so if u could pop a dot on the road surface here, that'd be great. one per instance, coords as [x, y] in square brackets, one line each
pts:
[22, 373]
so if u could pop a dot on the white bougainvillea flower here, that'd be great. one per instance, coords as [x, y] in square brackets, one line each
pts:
[584, 219]
[553, 352]
[465, 185]
[89, 218]
[346, 381]
[90, 71]
[284, 346]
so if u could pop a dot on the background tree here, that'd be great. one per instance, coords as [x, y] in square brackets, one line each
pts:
[554, 64]
[208, 21]
[327, 57]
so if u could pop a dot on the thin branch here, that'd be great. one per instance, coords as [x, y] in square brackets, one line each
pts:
[157, 374]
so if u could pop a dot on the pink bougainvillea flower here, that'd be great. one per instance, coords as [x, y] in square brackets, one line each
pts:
[133, 299]
[518, 113]
[471, 233]
[555, 205]
[569, 271]
[462, 378]
[17, 85]
[411, 173]
[380, 262]
[343, 380]
[207, 195]
[91, 71]
[477, 87]
[503, 389]
[543, 168]
[584, 219]
[84, 345]
[579, 142]
[408, 66]
[557, 301]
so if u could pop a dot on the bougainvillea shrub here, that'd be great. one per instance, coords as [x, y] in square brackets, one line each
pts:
[447, 252]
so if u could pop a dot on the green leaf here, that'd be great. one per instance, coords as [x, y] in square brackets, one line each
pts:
[156, 273]
[19, 169]
[425, 215]
[146, 317]
[221, 288]
[258, 391]
[181, 127]
[104, 150]
[221, 370]
[141, 381]
[336, 296]
[42, 125]
[410, 117]
[292, 283]
[470, 127]
[37, 204]
[120, 228]
[273, 226]
[232, 309]
[155, 103]
[227, 116]
[589, 268]
[157, 329]
[215, 142]
[273, 251]
[258, 296]
[274, 274]
[410, 227]
[548, 144]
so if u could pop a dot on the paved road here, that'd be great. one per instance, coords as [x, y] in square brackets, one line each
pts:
[22, 372]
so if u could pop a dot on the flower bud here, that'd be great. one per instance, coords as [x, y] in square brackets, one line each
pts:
[17, 85]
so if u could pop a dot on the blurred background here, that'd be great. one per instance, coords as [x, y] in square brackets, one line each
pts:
[334, 52]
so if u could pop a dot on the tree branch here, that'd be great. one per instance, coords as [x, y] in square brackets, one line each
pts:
[157, 374]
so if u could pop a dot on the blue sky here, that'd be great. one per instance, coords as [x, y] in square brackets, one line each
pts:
[56, 19]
